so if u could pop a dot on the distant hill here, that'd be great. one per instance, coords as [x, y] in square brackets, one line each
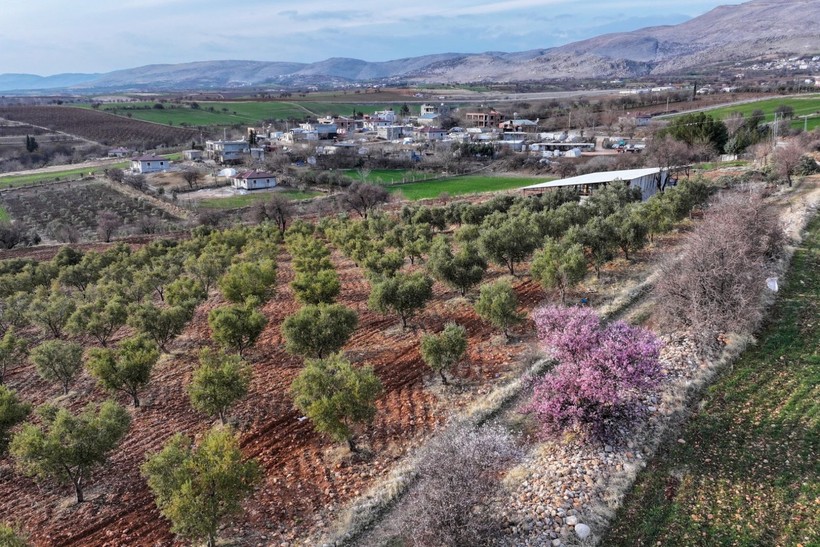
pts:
[728, 34]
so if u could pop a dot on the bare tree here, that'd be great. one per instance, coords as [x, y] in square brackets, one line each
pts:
[278, 209]
[192, 177]
[786, 159]
[668, 154]
[115, 174]
[136, 181]
[108, 222]
[459, 472]
[363, 198]
[715, 284]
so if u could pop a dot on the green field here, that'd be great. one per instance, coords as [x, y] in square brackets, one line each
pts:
[470, 184]
[24, 180]
[240, 112]
[4, 215]
[803, 106]
[383, 176]
[11, 181]
[235, 202]
[746, 471]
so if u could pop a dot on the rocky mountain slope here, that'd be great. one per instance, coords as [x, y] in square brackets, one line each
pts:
[739, 33]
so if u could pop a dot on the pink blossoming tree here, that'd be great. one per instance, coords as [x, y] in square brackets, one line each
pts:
[604, 372]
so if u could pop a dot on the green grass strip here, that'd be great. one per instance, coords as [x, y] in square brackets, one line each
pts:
[748, 470]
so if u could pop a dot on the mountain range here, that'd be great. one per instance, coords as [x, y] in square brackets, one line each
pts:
[755, 30]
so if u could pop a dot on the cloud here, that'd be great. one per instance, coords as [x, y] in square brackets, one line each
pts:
[100, 35]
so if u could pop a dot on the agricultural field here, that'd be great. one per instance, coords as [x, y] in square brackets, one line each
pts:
[100, 127]
[236, 112]
[302, 474]
[77, 204]
[393, 180]
[245, 200]
[745, 470]
[469, 184]
[803, 106]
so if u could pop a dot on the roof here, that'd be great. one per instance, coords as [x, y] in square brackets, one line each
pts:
[254, 175]
[150, 157]
[431, 116]
[600, 177]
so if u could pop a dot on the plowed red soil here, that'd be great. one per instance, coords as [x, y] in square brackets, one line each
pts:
[306, 479]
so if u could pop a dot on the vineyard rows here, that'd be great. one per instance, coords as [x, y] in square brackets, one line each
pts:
[99, 126]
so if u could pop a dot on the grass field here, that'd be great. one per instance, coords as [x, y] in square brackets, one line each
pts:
[803, 106]
[747, 472]
[11, 181]
[24, 180]
[382, 176]
[470, 184]
[240, 112]
[4, 215]
[235, 202]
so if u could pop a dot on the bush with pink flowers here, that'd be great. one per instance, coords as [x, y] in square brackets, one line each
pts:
[604, 373]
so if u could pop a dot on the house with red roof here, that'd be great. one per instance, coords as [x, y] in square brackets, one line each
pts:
[253, 180]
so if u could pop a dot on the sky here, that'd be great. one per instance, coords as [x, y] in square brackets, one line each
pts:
[48, 37]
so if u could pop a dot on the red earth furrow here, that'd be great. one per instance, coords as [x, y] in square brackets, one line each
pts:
[305, 477]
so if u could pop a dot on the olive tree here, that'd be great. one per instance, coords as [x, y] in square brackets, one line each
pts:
[100, 318]
[508, 240]
[336, 396]
[68, 446]
[404, 294]
[462, 270]
[58, 361]
[13, 350]
[248, 279]
[127, 369]
[161, 324]
[219, 382]
[197, 488]
[12, 412]
[236, 327]
[497, 303]
[318, 330]
[559, 265]
[440, 352]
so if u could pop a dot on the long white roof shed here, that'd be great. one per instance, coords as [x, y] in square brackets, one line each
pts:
[643, 178]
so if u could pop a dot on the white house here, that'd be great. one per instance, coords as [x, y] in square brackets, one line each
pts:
[429, 134]
[254, 180]
[226, 151]
[149, 164]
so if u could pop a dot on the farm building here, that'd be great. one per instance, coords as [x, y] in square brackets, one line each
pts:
[118, 152]
[645, 179]
[149, 164]
[192, 154]
[254, 180]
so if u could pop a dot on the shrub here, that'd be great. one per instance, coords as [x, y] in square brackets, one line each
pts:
[459, 473]
[603, 373]
[714, 284]
[248, 279]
